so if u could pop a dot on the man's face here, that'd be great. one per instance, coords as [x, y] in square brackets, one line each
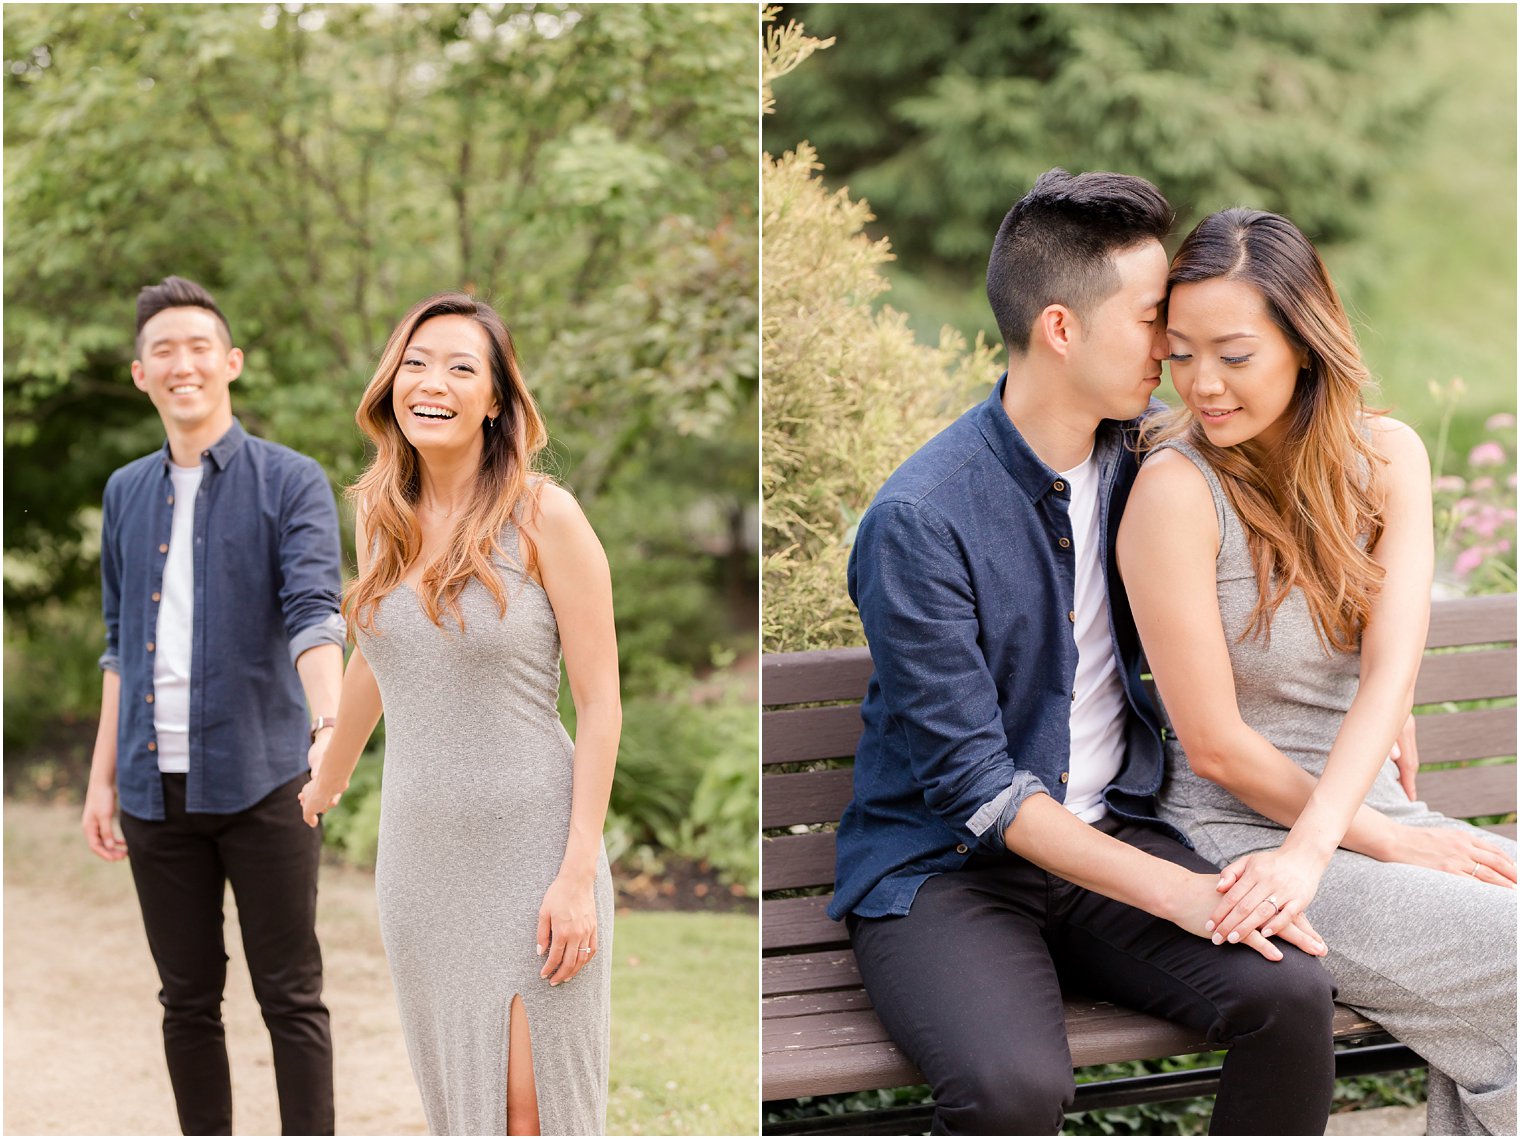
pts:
[186, 366]
[1115, 360]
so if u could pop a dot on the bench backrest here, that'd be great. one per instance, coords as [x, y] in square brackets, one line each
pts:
[812, 714]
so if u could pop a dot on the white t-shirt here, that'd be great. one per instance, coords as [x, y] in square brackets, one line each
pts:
[1097, 707]
[176, 622]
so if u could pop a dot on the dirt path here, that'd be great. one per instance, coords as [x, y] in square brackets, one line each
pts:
[83, 1050]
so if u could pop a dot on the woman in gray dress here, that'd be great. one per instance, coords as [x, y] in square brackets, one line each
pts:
[494, 893]
[1277, 552]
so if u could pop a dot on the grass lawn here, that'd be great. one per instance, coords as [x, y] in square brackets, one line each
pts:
[685, 1025]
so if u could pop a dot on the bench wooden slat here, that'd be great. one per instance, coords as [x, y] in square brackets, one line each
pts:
[794, 922]
[815, 677]
[796, 861]
[1463, 792]
[807, 797]
[808, 972]
[811, 1004]
[846, 1051]
[797, 735]
[1481, 674]
[1470, 621]
[1482, 734]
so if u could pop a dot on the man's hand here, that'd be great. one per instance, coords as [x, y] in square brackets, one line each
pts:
[1406, 757]
[100, 823]
[1193, 906]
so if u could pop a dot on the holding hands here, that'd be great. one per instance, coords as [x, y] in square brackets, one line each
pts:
[321, 794]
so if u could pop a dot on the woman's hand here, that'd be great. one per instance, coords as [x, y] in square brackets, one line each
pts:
[1452, 849]
[567, 926]
[321, 793]
[1190, 911]
[1269, 890]
[1406, 757]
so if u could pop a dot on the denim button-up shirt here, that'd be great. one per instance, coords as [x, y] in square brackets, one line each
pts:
[968, 603]
[268, 575]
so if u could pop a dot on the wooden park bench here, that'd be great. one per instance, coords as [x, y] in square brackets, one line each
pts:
[819, 1033]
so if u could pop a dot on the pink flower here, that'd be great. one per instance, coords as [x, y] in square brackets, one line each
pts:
[1503, 421]
[1450, 484]
[1482, 484]
[1503, 546]
[1484, 523]
[1486, 454]
[1468, 560]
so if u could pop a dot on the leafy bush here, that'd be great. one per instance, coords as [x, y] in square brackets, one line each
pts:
[848, 395]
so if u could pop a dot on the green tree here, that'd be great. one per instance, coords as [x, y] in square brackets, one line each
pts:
[589, 169]
[943, 115]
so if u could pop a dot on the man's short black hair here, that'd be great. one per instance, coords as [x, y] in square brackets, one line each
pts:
[1056, 245]
[176, 292]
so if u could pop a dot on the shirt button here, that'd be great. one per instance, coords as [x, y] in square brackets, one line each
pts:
[1064, 542]
[1065, 776]
[1060, 485]
[150, 646]
[1073, 695]
[149, 698]
[171, 500]
[163, 548]
[1071, 616]
[152, 746]
[155, 597]
[961, 849]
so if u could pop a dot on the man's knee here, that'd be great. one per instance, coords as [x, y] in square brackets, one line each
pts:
[1293, 998]
[1005, 1099]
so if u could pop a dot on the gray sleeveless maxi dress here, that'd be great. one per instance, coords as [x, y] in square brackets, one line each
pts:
[474, 815]
[1427, 954]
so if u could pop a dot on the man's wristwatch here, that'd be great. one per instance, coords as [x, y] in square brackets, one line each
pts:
[322, 722]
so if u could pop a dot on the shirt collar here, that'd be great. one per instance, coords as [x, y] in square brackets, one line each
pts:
[222, 450]
[1019, 459]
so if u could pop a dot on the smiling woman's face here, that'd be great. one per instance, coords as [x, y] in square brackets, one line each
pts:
[1230, 363]
[442, 393]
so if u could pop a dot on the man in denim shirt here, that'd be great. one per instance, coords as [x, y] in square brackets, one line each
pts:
[1002, 837]
[220, 572]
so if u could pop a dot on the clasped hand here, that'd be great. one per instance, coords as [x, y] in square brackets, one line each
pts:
[1268, 890]
[319, 795]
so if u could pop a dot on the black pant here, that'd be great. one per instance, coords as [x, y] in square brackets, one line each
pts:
[969, 986]
[181, 866]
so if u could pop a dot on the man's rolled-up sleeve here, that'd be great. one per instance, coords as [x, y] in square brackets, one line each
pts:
[110, 584]
[311, 563]
[913, 589]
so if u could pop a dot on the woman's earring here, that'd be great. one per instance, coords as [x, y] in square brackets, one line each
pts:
[490, 421]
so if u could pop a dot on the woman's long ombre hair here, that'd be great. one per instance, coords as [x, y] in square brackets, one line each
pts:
[1312, 508]
[388, 489]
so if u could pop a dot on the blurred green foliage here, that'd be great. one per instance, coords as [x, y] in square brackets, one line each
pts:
[1387, 132]
[588, 169]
